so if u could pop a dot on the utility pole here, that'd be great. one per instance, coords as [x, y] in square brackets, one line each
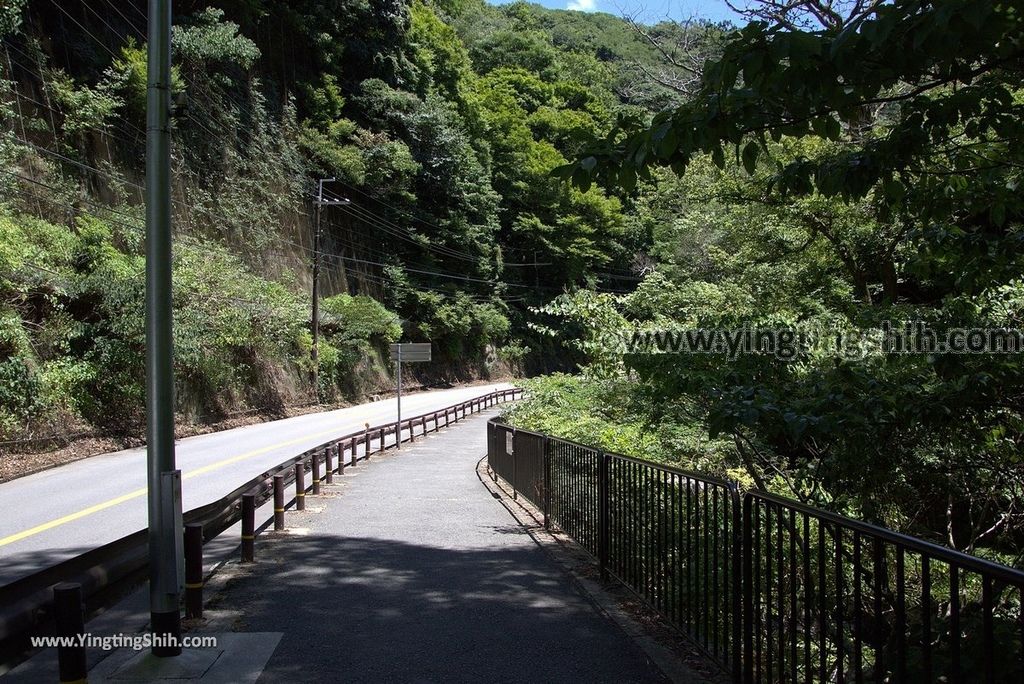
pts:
[315, 314]
[163, 479]
[398, 384]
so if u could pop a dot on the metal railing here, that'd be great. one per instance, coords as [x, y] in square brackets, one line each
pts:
[770, 589]
[107, 572]
[835, 599]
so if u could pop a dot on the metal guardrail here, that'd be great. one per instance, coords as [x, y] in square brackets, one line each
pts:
[107, 572]
[770, 589]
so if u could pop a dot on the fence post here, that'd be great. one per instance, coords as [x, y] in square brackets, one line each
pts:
[603, 533]
[546, 452]
[423, 425]
[748, 591]
[329, 464]
[737, 581]
[70, 618]
[352, 445]
[367, 449]
[300, 486]
[278, 502]
[412, 434]
[316, 473]
[194, 570]
[515, 467]
[381, 437]
[341, 457]
[248, 527]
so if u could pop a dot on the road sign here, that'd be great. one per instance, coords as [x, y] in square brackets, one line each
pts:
[411, 352]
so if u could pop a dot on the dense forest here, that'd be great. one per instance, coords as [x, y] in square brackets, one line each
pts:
[841, 166]
[526, 184]
[441, 123]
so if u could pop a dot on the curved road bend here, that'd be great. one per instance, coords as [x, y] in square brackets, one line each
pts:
[64, 511]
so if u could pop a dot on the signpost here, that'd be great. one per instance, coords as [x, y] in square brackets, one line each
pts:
[411, 352]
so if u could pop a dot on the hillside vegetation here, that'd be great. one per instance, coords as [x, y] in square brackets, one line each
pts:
[441, 121]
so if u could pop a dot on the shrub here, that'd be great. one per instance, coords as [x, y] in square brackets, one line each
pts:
[20, 393]
[345, 318]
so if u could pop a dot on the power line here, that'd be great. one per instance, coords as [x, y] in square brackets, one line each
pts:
[407, 215]
[87, 31]
[332, 257]
[128, 21]
[362, 213]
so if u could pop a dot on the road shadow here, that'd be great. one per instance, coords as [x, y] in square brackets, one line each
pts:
[359, 609]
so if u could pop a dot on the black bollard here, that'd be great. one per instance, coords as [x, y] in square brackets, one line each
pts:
[279, 502]
[248, 528]
[300, 486]
[70, 617]
[193, 570]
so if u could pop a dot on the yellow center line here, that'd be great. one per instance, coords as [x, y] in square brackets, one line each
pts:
[32, 531]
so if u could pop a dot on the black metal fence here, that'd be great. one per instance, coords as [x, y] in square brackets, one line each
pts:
[771, 589]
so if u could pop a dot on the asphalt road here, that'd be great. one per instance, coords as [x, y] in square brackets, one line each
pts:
[407, 570]
[61, 512]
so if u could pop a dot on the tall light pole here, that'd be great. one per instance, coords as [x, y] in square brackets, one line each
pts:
[164, 481]
[315, 314]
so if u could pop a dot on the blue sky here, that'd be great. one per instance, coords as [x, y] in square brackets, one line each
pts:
[650, 10]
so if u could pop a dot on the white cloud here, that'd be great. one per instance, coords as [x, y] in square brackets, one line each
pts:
[582, 5]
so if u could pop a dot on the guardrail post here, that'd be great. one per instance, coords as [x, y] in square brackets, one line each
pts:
[412, 433]
[603, 536]
[341, 457]
[367, 449]
[278, 502]
[194, 570]
[382, 440]
[300, 486]
[547, 482]
[316, 473]
[352, 445]
[446, 417]
[70, 617]
[423, 425]
[248, 528]
[329, 464]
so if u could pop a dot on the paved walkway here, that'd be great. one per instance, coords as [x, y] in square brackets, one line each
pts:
[412, 572]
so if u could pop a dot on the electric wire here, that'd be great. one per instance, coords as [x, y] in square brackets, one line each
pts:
[361, 213]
